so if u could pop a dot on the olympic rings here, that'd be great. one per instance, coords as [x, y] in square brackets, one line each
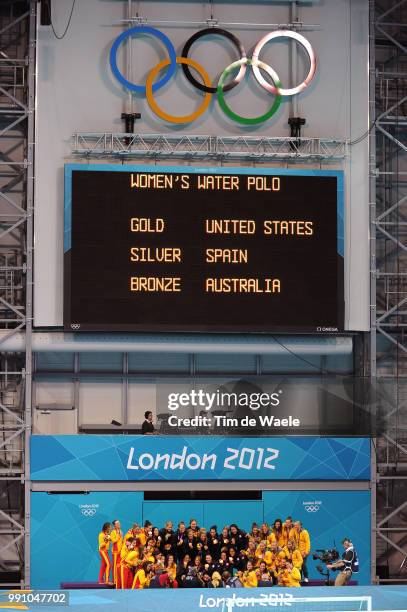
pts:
[236, 42]
[311, 508]
[88, 512]
[141, 30]
[246, 120]
[274, 88]
[150, 87]
[307, 46]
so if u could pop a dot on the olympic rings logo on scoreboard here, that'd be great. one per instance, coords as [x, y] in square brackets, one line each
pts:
[206, 86]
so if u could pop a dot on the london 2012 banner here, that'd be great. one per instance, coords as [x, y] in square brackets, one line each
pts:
[118, 458]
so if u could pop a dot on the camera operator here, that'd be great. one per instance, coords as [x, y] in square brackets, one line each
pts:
[348, 564]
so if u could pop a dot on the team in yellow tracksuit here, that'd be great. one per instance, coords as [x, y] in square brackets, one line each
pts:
[171, 569]
[292, 554]
[274, 559]
[136, 533]
[287, 526]
[250, 552]
[130, 561]
[116, 538]
[263, 554]
[142, 577]
[301, 538]
[124, 551]
[289, 576]
[104, 543]
[279, 533]
[142, 537]
[249, 578]
[303, 543]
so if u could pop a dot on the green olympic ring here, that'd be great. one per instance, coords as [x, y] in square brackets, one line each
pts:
[221, 97]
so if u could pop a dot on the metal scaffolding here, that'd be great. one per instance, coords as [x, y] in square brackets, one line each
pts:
[17, 79]
[388, 341]
[217, 148]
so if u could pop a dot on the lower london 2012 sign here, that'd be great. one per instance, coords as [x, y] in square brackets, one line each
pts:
[203, 249]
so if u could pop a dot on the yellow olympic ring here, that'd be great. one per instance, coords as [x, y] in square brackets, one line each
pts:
[154, 106]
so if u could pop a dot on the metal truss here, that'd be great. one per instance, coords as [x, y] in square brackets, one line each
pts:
[388, 340]
[219, 148]
[17, 80]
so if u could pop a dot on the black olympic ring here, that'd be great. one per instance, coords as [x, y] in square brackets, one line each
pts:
[221, 32]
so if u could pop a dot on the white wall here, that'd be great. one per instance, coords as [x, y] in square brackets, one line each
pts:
[77, 92]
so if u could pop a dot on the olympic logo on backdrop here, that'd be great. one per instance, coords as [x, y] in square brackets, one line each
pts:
[89, 510]
[313, 506]
[205, 85]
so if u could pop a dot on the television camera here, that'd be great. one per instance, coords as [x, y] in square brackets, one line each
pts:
[327, 556]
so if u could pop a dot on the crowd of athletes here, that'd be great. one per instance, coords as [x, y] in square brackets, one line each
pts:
[194, 557]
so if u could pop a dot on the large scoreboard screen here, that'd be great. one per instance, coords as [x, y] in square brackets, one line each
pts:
[203, 249]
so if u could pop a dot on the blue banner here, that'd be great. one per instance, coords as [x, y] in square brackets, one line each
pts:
[174, 458]
[348, 599]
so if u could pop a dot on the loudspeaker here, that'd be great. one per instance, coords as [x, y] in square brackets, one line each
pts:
[45, 15]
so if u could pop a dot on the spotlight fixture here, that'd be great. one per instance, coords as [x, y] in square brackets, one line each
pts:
[295, 124]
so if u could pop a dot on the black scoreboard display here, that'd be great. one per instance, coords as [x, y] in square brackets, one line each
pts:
[203, 249]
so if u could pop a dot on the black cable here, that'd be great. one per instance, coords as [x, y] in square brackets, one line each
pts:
[320, 370]
[59, 37]
[211, 4]
[363, 136]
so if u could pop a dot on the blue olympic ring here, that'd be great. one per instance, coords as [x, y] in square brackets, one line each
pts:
[141, 30]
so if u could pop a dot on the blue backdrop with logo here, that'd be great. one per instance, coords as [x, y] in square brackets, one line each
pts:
[121, 458]
[64, 527]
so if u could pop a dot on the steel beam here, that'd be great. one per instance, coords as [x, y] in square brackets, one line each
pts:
[17, 89]
[388, 249]
[159, 146]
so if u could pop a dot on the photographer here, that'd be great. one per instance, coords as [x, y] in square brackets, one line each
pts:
[348, 564]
